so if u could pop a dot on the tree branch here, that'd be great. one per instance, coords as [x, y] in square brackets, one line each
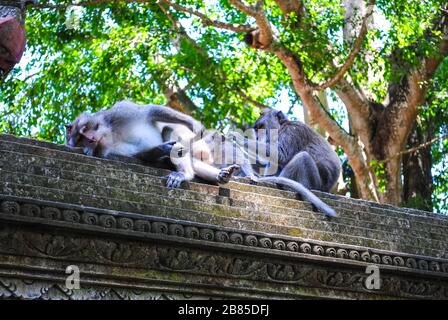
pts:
[245, 7]
[414, 149]
[205, 20]
[209, 22]
[299, 80]
[358, 109]
[262, 38]
[80, 4]
[432, 63]
[182, 97]
[353, 54]
[405, 97]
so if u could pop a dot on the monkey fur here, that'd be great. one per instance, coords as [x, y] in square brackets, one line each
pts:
[305, 160]
[141, 131]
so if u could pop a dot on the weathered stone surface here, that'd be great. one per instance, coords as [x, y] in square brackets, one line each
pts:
[116, 220]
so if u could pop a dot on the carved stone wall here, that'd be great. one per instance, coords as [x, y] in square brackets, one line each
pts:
[132, 238]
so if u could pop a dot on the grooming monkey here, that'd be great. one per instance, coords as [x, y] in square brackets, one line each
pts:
[305, 160]
[227, 150]
[142, 131]
[198, 150]
[298, 158]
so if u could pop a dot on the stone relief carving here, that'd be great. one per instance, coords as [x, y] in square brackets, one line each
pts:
[207, 234]
[11, 288]
[125, 253]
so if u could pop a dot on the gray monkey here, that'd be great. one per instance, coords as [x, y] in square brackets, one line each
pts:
[125, 129]
[133, 130]
[305, 160]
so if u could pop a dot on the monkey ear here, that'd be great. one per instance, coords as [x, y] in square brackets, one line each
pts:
[281, 116]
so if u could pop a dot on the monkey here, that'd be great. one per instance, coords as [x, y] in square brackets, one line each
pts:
[133, 130]
[199, 152]
[305, 160]
[217, 150]
[226, 150]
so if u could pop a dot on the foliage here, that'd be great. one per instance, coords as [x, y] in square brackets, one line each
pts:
[127, 51]
[133, 50]
[435, 115]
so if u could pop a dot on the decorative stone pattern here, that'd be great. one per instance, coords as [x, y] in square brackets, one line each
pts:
[210, 266]
[12, 288]
[134, 239]
[170, 228]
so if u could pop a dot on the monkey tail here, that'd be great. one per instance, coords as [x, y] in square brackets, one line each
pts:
[303, 191]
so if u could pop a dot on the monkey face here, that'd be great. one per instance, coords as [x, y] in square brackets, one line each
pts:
[270, 119]
[83, 133]
[267, 126]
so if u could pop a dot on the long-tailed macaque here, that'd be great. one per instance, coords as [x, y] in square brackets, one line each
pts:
[287, 153]
[305, 160]
[189, 146]
[133, 130]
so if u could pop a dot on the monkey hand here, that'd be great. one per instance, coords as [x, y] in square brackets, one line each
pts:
[253, 178]
[226, 173]
[167, 147]
[175, 179]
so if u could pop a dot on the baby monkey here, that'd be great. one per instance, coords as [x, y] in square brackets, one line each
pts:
[147, 132]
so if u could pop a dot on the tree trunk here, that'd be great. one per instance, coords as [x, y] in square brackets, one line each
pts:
[379, 130]
[417, 178]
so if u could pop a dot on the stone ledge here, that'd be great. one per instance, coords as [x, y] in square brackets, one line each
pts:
[126, 231]
[59, 215]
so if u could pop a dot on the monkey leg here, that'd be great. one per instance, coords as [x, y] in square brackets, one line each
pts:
[184, 168]
[226, 173]
[212, 174]
[163, 150]
[164, 114]
[303, 169]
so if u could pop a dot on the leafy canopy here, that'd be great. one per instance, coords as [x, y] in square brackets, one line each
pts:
[92, 57]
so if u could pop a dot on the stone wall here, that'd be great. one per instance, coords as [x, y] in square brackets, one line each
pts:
[133, 238]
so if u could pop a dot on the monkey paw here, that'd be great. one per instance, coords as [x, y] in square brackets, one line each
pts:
[226, 173]
[253, 178]
[175, 179]
[168, 146]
